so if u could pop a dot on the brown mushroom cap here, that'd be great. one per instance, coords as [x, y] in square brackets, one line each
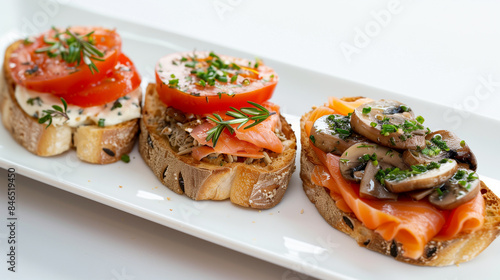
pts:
[425, 180]
[351, 160]
[329, 140]
[394, 113]
[454, 194]
[458, 150]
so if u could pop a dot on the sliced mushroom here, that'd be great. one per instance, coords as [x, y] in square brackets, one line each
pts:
[406, 181]
[371, 188]
[457, 149]
[456, 191]
[420, 194]
[414, 157]
[351, 161]
[389, 123]
[333, 134]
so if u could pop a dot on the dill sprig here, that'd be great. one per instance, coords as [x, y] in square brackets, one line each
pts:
[257, 114]
[58, 112]
[73, 48]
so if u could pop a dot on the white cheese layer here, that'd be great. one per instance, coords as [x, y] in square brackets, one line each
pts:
[34, 103]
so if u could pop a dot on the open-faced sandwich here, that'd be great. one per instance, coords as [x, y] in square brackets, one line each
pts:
[209, 131]
[71, 88]
[376, 173]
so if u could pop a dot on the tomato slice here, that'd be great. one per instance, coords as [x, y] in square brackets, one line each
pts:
[117, 83]
[39, 72]
[203, 82]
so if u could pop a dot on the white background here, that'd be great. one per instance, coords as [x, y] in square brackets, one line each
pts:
[441, 52]
[434, 50]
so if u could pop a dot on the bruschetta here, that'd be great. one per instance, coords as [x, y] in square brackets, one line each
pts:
[375, 172]
[209, 131]
[71, 87]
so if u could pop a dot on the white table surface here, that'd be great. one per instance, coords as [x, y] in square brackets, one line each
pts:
[445, 52]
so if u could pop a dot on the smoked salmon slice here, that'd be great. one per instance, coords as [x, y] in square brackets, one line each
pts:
[262, 135]
[345, 107]
[412, 223]
[316, 114]
[244, 142]
[467, 217]
[227, 144]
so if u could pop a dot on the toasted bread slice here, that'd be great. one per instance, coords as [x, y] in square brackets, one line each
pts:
[436, 253]
[93, 144]
[249, 185]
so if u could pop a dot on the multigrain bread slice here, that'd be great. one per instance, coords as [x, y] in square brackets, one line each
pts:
[93, 144]
[437, 253]
[249, 185]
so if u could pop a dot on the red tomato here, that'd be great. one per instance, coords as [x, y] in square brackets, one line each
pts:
[117, 83]
[203, 82]
[39, 72]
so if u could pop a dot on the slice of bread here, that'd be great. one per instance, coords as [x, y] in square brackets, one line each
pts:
[437, 253]
[250, 185]
[93, 144]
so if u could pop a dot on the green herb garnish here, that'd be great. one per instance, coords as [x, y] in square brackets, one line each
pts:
[340, 125]
[73, 49]
[395, 174]
[37, 100]
[438, 141]
[125, 158]
[57, 112]
[367, 110]
[116, 104]
[439, 191]
[234, 78]
[100, 123]
[257, 114]
[388, 129]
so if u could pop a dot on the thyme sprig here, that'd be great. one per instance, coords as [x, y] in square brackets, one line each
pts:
[73, 48]
[257, 114]
[58, 112]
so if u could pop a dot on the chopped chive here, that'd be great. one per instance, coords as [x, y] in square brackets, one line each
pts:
[125, 158]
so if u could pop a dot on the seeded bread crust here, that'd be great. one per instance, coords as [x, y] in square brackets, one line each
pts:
[248, 185]
[461, 249]
[100, 145]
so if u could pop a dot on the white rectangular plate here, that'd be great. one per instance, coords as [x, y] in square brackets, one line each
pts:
[292, 234]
